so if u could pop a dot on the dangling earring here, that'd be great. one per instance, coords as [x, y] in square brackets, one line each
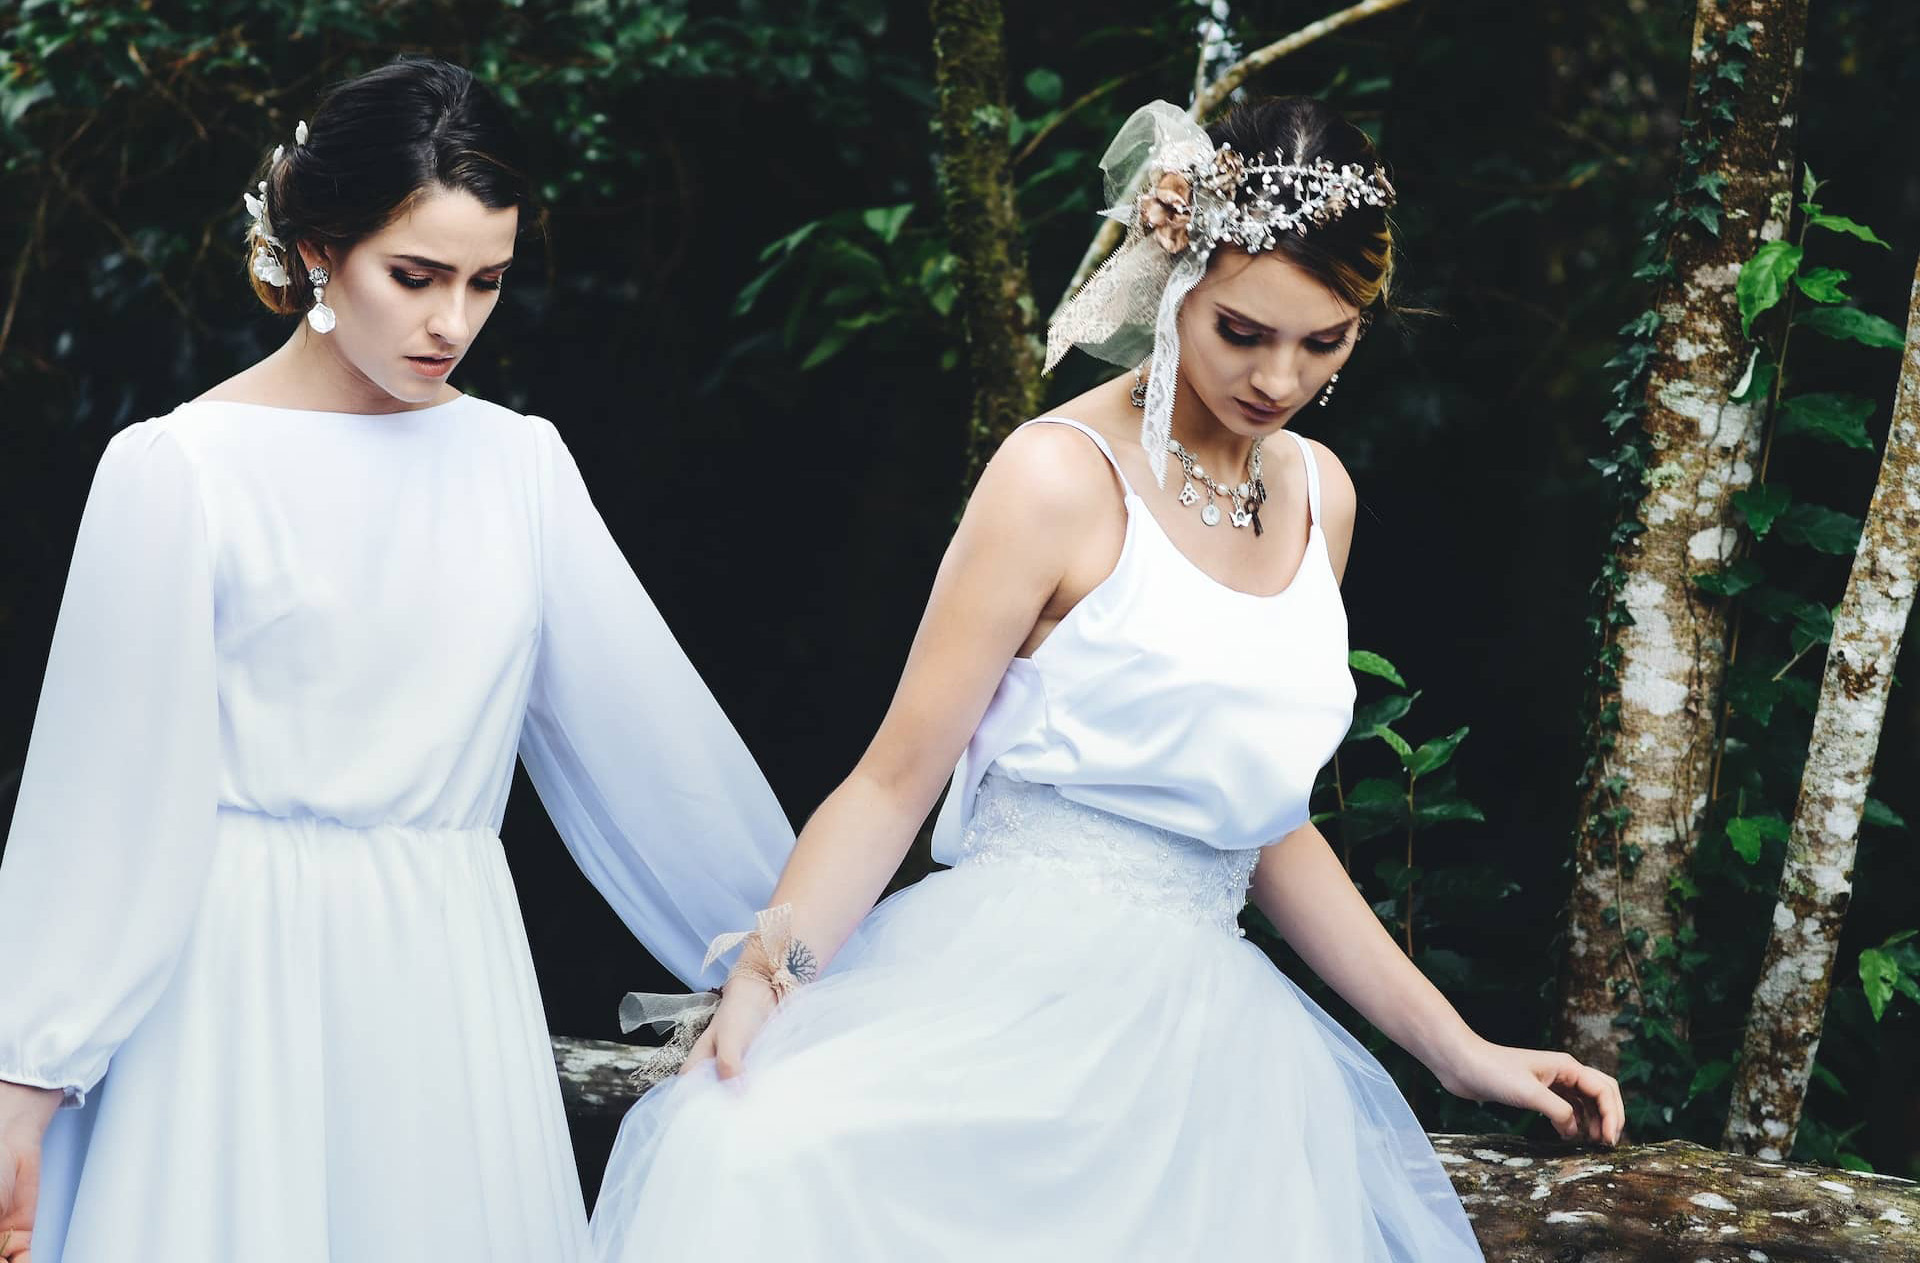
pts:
[320, 316]
[1328, 392]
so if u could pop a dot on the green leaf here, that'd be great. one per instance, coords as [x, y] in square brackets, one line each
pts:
[1822, 285]
[1761, 505]
[1815, 627]
[1820, 528]
[1377, 714]
[1731, 581]
[1808, 185]
[1748, 834]
[1840, 223]
[1045, 86]
[1446, 810]
[1764, 279]
[1756, 382]
[1377, 793]
[1374, 664]
[1708, 1078]
[1833, 418]
[1433, 754]
[886, 221]
[1398, 742]
[1879, 814]
[830, 345]
[1844, 323]
[1881, 975]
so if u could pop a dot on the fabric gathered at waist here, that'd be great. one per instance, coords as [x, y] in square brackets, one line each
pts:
[308, 823]
[1033, 825]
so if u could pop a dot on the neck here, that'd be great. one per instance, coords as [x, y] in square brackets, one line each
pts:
[1223, 453]
[311, 374]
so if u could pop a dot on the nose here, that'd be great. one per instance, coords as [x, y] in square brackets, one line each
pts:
[1277, 377]
[449, 323]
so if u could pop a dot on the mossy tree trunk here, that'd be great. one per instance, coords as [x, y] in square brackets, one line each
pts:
[976, 187]
[1663, 655]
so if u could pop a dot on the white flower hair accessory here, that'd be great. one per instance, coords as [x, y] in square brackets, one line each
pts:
[269, 252]
[1181, 198]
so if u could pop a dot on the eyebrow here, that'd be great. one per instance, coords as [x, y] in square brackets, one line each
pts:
[1245, 319]
[435, 265]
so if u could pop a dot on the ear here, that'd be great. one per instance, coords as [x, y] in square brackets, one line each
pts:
[312, 256]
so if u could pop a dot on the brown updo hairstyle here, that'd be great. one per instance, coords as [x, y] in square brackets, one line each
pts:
[376, 144]
[1352, 255]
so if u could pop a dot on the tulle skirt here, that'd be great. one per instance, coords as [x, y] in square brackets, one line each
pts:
[1060, 1048]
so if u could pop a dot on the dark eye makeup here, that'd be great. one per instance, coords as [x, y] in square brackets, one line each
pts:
[1249, 337]
[411, 281]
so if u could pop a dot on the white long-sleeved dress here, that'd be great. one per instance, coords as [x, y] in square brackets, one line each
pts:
[258, 924]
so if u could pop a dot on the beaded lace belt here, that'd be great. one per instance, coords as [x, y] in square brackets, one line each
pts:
[1019, 822]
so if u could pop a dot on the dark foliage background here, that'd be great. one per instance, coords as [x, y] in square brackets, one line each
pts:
[1528, 142]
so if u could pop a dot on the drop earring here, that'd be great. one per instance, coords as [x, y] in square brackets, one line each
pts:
[320, 316]
[1328, 392]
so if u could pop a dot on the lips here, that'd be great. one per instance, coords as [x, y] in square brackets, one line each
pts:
[432, 365]
[1258, 413]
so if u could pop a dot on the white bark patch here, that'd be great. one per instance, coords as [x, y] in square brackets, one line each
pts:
[1715, 544]
[1894, 1215]
[1712, 1201]
[1654, 675]
[1686, 349]
[1835, 1186]
[1709, 277]
[1575, 1217]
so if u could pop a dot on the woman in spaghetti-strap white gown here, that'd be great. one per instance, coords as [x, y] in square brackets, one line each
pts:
[1061, 1047]
[256, 926]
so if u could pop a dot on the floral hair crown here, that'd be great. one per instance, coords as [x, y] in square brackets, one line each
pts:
[1181, 197]
[1202, 201]
[269, 252]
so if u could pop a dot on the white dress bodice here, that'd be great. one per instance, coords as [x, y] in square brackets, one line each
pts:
[1168, 698]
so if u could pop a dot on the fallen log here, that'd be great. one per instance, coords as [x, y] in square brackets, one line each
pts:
[1548, 1202]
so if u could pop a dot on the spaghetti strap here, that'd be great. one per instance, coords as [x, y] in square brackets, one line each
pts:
[1093, 434]
[1313, 478]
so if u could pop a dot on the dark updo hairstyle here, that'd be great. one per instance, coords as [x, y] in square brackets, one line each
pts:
[1351, 255]
[377, 144]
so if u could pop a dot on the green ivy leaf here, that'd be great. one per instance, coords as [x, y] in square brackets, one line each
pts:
[1886, 969]
[1374, 664]
[1822, 285]
[1851, 323]
[1756, 382]
[1748, 834]
[1764, 279]
[1820, 528]
[1731, 581]
[1840, 223]
[1753, 692]
[1815, 627]
[1761, 505]
[1833, 418]
[1808, 185]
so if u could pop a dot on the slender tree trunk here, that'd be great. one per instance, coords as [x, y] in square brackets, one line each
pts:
[1790, 1003]
[1648, 780]
[976, 187]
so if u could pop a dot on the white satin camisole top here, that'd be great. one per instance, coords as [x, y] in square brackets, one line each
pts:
[1169, 698]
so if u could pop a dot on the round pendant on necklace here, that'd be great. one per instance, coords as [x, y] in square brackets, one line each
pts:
[1211, 515]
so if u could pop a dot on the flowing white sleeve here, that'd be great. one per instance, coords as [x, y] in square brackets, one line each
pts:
[113, 830]
[648, 783]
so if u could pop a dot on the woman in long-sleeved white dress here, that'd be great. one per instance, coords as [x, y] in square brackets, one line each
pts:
[256, 929]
